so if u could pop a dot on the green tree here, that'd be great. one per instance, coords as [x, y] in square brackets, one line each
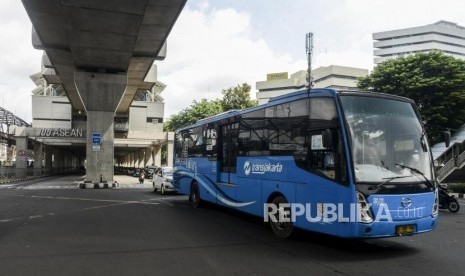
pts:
[233, 98]
[237, 97]
[190, 115]
[435, 81]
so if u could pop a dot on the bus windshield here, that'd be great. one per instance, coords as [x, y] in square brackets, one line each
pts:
[387, 140]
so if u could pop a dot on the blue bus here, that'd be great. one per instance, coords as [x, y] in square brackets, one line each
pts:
[348, 164]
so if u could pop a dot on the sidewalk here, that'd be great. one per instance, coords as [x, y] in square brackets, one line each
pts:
[125, 181]
[128, 181]
[14, 180]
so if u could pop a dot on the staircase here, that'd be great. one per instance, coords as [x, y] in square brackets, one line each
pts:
[447, 160]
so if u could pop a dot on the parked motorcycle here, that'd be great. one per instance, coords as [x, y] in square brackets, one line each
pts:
[447, 201]
[141, 177]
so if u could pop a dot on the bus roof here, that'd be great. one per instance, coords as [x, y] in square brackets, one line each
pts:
[273, 101]
[301, 94]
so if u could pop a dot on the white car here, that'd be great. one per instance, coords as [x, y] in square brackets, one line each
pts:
[163, 180]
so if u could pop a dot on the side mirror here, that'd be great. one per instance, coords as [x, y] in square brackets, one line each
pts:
[446, 136]
[328, 139]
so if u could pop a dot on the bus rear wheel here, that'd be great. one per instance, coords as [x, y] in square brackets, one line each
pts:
[194, 196]
[282, 225]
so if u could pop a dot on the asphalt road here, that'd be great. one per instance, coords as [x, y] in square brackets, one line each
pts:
[50, 227]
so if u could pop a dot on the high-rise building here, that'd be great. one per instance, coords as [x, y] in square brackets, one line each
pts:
[444, 36]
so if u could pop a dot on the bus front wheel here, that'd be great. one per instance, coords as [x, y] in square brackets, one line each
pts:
[281, 224]
[194, 196]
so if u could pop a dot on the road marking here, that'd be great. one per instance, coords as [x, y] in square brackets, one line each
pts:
[92, 199]
[159, 199]
[114, 203]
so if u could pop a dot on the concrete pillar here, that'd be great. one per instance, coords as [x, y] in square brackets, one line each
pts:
[135, 159]
[21, 158]
[141, 158]
[131, 160]
[67, 161]
[170, 149]
[48, 159]
[153, 156]
[100, 162]
[38, 158]
[157, 151]
[148, 155]
[101, 94]
[64, 161]
[56, 161]
[60, 160]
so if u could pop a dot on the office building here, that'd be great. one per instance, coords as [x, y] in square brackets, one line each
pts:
[444, 36]
[334, 76]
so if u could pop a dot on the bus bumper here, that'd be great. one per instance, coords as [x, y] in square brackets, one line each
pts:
[396, 228]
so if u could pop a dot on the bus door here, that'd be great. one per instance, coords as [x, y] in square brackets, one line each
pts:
[227, 159]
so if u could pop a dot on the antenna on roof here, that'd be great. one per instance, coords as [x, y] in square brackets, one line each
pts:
[309, 50]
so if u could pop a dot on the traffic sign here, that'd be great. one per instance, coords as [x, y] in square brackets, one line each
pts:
[96, 138]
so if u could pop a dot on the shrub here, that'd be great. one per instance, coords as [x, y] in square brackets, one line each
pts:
[457, 188]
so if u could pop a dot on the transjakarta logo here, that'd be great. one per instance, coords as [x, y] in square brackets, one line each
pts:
[261, 168]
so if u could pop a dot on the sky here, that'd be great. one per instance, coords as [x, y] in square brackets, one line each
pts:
[218, 44]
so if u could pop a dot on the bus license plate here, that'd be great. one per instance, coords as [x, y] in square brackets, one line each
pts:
[402, 230]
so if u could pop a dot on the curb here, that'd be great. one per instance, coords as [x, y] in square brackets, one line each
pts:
[98, 185]
[19, 179]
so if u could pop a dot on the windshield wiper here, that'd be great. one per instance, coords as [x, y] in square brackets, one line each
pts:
[389, 179]
[414, 170]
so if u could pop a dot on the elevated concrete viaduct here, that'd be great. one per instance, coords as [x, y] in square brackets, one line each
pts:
[101, 52]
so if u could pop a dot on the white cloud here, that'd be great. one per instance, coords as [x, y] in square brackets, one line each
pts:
[18, 59]
[210, 50]
[214, 46]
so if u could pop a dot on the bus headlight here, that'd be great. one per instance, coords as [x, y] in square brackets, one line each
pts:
[364, 213]
[436, 204]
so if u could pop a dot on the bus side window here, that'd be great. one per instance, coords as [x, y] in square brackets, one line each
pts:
[211, 142]
[229, 147]
[252, 140]
[196, 142]
[328, 162]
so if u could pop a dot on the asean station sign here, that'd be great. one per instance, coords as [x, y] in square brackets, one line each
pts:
[60, 132]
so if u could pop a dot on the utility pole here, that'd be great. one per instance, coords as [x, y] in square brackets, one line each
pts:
[309, 50]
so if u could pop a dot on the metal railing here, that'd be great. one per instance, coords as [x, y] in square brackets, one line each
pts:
[450, 160]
